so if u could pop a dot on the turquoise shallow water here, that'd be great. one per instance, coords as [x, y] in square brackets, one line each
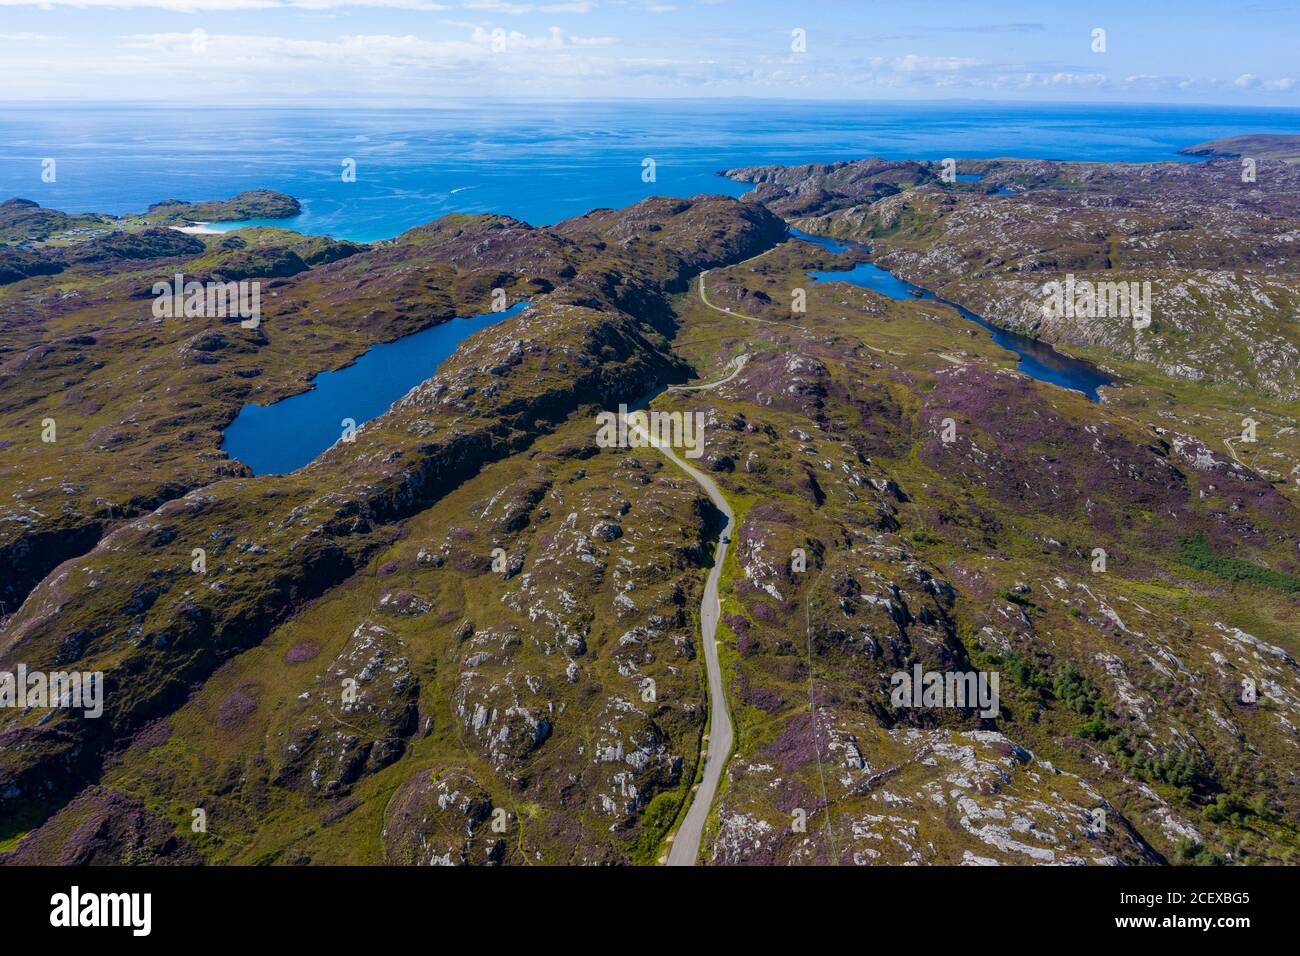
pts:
[541, 162]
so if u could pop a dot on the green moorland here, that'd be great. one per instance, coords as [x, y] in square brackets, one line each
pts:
[980, 554]
[470, 635]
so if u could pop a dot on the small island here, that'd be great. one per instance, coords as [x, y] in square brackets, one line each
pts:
[35, 240]
[1260, 146]
[250, 204]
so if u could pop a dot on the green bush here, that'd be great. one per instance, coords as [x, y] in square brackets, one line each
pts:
[1196, 554]
[1190, 853]
[1075, 691]
[1015, 598]
[1178, 768]
[1098, 727]
[1233, 808]
[657, 817]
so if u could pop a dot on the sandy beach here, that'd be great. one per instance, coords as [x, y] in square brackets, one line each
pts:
[198, 229]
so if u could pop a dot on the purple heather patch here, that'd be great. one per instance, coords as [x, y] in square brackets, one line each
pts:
[770, 511]
[795, 747]
[301, 652]
[764, 698]
[153, 735]
[236, 708]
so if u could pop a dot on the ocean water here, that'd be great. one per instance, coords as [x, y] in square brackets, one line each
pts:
[540, 162]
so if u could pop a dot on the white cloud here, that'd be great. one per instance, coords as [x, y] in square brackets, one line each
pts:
[554, 39]
[220, 6]
[1249, 81]
[913, 63]
[280, 53]
[1064, 78]
[412, 56]
[516, 9]
[358, 58]
[499, 6]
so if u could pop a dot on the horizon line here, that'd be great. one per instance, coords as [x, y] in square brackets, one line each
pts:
[450, 102]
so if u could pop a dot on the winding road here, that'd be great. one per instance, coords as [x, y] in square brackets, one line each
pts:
[717, 743]
[704, 297]
[739, 363]
[686, 842]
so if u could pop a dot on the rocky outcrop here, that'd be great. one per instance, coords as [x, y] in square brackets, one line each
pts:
[358, 718]
[440, 819]
[500, 393]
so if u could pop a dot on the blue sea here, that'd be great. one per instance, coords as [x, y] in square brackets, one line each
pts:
[541, 162]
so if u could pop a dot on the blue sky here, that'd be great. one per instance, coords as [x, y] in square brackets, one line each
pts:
[333, 53]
